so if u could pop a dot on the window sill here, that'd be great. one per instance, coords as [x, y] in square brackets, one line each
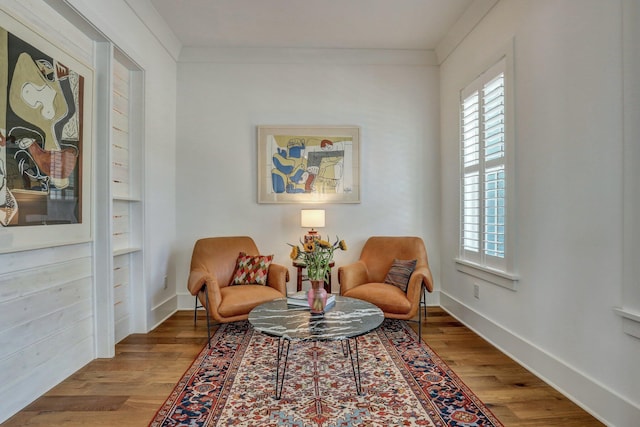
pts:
[500, 278]
[630, 321]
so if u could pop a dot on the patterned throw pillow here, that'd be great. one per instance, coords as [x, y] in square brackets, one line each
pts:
[400, 272]
[251, 269]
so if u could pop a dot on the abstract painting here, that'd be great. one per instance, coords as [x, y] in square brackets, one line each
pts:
[45, 122]
[308, 164]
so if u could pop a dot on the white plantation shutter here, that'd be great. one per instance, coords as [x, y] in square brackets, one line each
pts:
[483, 180]
[494, 167]
[471, 175]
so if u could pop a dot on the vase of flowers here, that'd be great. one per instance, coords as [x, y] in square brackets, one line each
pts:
[317, 255]
[317, 297]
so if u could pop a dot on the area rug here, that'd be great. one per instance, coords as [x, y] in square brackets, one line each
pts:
[404, 384]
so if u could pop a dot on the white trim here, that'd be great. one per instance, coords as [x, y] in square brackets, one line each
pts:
[161, 321]
[600, 401]
[167, 300]
[186, 301]
[630, 301]
[497, 277]
[484, 266]
[308, 56]
[162, 311]
[151, 18]
[476, 11]
[630, 321]
[627, 314]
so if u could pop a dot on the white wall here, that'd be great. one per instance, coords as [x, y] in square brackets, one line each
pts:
[47, 296]
[223, 96]
[560, 321]
[123, 27]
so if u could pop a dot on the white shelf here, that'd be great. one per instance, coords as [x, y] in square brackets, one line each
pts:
[126, 198]
[125, 251]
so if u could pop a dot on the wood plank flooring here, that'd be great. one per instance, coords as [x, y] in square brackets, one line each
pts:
[128, 389]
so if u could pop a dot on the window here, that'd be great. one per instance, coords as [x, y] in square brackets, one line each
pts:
[485, 178]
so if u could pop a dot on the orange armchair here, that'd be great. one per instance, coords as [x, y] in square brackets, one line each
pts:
[213, 264]
[365, 279]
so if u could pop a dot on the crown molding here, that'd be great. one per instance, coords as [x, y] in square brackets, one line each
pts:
[151, 19]
[476, 11]
[308, 56]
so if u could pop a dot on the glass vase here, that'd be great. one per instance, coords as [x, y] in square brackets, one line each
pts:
[317, 297]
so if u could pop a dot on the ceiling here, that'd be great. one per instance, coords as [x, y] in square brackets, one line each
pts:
[332, 24]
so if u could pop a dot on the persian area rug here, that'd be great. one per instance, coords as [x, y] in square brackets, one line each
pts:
[404, 384]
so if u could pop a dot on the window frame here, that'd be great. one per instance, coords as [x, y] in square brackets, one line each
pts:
[498, 270]
[629, 308]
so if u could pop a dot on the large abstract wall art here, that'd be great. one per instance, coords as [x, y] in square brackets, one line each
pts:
[308, 164]
[45, 141]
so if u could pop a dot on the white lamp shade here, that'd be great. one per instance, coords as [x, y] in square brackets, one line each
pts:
[310, 218]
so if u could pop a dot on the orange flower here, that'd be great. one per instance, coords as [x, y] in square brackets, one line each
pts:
[324, 244]
[317, 255]
[295, 251]
[309, 246]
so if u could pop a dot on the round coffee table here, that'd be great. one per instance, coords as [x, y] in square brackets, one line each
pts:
[343, 321]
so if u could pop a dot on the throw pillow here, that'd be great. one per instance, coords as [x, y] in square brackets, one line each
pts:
[251, 269]
[400, 272]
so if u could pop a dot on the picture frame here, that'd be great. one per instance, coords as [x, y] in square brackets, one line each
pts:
[308, 164]
[46, 130]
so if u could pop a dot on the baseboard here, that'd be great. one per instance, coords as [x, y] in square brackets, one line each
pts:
[595, 398]
[162, 311]
[186, 301]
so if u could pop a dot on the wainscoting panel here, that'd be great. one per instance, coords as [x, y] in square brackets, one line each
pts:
[46, 321]
[24, 334]
[45, 364]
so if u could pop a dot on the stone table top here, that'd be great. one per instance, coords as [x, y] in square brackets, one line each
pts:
[346, 318]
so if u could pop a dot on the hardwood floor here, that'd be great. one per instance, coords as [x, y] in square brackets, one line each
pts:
[128, 389]
[514, 395]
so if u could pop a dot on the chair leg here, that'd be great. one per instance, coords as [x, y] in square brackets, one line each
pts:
[423, 301]
[195, 312]
[206, 309]
[419, 325]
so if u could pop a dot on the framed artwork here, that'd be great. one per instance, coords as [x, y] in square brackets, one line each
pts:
[308, 164]
[46, 99]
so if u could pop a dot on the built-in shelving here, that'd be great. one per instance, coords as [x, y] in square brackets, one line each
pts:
[126, 195]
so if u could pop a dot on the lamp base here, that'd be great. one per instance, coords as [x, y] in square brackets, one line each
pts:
[311, 236]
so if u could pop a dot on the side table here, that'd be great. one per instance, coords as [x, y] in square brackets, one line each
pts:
[299, 265]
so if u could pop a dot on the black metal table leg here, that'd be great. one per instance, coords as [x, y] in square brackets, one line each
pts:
[355, 364]
[345, 348]
[283, 350]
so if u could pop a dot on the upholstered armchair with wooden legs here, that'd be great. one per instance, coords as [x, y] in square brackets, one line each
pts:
[213, 264]
[365, 279]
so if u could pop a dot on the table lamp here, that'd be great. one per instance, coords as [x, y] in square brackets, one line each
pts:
[310, 218]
